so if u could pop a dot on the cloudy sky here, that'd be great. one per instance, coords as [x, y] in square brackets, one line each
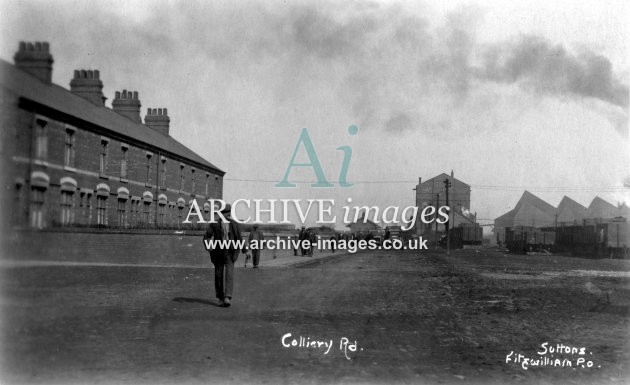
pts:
[510, 95]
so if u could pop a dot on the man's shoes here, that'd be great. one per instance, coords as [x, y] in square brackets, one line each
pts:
[221, 303]
[227, 302]
[256, 267]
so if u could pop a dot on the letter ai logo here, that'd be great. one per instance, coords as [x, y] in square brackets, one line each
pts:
[305, 140]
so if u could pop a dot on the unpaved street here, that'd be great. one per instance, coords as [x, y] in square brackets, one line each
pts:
[407, 318]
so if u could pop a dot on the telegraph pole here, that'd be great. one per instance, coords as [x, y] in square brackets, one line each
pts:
[437, 205]
[447, 184]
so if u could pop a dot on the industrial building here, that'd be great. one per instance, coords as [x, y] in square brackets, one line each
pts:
[599, 230]
[432, 192]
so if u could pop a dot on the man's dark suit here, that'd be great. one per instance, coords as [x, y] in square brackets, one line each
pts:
[224, 258]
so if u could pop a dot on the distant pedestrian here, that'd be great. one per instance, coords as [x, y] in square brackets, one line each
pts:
[257, 236]
[312, 241]
[297, 244]
[224, 257]
[303, 236]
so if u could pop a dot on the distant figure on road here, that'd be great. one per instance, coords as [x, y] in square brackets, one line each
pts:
[223, 258]
[313, 241]
[333, 243]
[303, 235]
[255, 235]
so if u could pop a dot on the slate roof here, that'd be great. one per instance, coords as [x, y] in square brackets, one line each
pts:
[61, 99]
[443, 176]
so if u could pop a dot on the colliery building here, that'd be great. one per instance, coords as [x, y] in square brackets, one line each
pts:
[70, 161]
[600, 230]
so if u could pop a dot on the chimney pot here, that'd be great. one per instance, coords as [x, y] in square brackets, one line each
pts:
[128, 105]
[157, 119]
[88, 86]
[35, 59]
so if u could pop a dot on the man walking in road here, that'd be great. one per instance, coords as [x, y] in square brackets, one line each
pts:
[224, 257]
[255, 235]
[303, 235]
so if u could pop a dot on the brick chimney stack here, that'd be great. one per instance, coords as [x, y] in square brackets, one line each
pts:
[35, 58]
[127, 104]
[157, 119]
[88, 85]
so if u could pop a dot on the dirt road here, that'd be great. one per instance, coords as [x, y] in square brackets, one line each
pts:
[396, 317]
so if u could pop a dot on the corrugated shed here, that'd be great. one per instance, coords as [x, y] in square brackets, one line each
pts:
[570, 212]
[529, 211]
[599, 208]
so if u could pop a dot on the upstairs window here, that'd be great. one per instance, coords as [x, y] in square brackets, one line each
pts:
[192, 178]
[69, 148]
[41, 139]
[123, 162]
[149, 156]
[181, 177]
[103, 163]
[163, 173]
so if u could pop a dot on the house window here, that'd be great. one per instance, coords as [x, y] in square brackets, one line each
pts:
[103, 164]
[123, 162]
[181, 178]
[137, 212]
[85, 207]
[41, 140]
[192, 173]
[122, 212]
[161, 214]
[147, 213]
[69, 149]
[163, 173]
[101, 210]
[149, 156]
[37, 207]
[67, 207]
[18, 209]
[132, 213]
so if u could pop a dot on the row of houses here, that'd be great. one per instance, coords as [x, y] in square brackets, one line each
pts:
[70, 160]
